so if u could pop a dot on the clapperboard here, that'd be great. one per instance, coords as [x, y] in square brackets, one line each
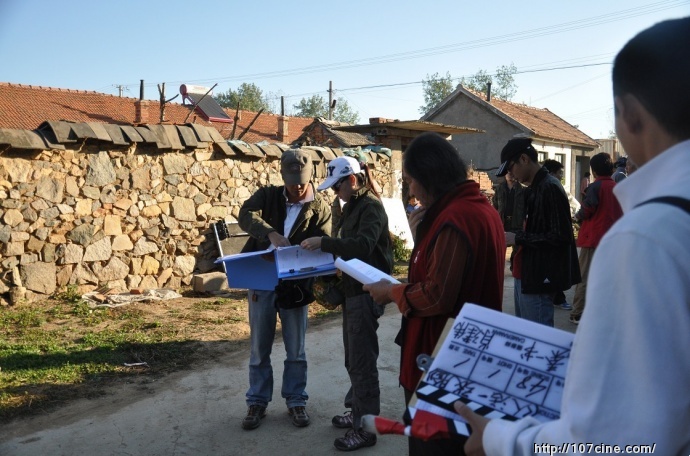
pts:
[499, 365]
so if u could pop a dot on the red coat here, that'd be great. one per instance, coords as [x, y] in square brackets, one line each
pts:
[599, 211]
[468, 211]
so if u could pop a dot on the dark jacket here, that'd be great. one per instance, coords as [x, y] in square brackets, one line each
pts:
[500, 201]
[600, 210]
[549, 255]
[362, 234]
[265, 211]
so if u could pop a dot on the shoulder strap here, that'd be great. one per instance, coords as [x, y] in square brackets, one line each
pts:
[681, 203]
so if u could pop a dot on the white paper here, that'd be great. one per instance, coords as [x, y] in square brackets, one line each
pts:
[363, 272]
[295, 259]
[514, 366]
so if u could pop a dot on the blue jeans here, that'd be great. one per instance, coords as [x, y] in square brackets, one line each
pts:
[535, 307]
[262, 323]
[516, 296]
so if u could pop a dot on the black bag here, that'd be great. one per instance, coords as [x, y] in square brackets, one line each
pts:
[291, 294]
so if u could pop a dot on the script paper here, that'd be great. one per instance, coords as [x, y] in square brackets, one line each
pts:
[363, 272]
[510, 366]
[296, 260]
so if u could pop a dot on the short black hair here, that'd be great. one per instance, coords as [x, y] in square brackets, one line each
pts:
[601, 164]
[433, 162]
[552, 165]
[654, 66]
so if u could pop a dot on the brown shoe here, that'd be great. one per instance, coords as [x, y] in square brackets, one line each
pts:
[298, 416]
[255, 414]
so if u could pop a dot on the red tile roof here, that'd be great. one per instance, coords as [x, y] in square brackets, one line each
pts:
[543, 122]
[26, 107]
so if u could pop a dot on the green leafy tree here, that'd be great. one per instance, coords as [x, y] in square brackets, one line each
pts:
[436, 88]
[317, 106]
[314, 106]
[249, 95]
[344, 113]
[502, 83]
[505, 81]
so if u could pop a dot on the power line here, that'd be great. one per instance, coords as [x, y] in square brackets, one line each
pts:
[463, 46]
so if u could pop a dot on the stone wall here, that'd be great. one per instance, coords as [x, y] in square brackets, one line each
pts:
[128, 217]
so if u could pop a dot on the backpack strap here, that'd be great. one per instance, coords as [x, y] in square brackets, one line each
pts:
[681, 203]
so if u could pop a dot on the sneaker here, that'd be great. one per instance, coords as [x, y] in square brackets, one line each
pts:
[355, 440]
[343, 421]
[564, 306]
[298, 416]
[255, 414]
[575, 319]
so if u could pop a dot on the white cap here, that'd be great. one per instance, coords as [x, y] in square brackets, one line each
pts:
[339, 168]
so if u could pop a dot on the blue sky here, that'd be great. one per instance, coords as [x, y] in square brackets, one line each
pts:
[375, 52]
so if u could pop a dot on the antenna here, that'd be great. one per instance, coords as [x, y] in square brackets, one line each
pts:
[120, 88]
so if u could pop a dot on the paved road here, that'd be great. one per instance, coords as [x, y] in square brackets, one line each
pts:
[199, 413]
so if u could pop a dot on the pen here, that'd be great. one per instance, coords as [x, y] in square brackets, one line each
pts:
[310, 268]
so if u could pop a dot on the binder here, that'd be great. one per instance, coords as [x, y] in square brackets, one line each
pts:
[261, 270]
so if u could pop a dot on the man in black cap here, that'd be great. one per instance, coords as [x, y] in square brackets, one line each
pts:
[546, 258]
[281, 216]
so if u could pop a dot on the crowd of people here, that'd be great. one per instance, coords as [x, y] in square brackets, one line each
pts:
[626, 381]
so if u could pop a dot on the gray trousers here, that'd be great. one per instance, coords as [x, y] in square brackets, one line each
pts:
[361, 343]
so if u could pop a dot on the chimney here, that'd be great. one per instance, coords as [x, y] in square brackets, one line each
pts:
[488, 92]
[141, 107]
[283, 129]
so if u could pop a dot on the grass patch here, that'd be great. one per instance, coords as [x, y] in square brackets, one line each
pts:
[61, 349]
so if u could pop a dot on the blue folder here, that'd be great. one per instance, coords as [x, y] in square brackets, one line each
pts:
[261, 270]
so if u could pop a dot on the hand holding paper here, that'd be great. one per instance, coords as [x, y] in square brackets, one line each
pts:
[381, 291]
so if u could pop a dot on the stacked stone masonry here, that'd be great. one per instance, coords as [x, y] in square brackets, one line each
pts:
[125, 218]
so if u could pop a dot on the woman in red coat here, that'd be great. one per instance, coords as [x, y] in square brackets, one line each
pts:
[459, 257]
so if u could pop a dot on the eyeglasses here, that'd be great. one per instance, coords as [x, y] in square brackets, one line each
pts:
[511, 164]
[337, 185]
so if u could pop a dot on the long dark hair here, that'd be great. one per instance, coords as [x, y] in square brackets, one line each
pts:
[433, 162]
[365, 179]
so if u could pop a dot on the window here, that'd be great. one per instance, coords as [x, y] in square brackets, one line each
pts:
[561, 159]
[541, 156]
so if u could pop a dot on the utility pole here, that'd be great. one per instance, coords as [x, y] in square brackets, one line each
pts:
[330, 100]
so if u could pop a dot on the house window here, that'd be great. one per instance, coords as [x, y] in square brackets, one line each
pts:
[541, 156]
[561, 159]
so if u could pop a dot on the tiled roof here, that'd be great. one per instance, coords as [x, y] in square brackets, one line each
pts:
[542, 122]
[333, 136]
[26, 107]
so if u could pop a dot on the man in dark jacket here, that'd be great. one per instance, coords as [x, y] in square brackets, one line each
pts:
[599, 211]
[546, 258]
[281, 216]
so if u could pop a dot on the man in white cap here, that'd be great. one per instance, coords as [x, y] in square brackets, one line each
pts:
[281, 216]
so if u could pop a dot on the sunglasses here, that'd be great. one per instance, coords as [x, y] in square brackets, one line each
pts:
[337, 185]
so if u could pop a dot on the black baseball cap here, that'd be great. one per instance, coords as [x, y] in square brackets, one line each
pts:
[514, 148]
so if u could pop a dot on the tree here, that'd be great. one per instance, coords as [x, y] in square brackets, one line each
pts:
[505, 81]
[344, 113]
[317, 106]
[503, 87]
[250, 97]
[314, 106]
[436, 88]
